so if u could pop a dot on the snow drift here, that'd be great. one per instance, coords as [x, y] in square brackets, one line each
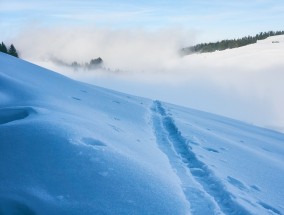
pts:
[72, 148]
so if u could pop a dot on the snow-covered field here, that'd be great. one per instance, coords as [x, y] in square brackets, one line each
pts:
[67, 147]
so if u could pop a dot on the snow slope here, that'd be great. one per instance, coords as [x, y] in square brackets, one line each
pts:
[67, 147]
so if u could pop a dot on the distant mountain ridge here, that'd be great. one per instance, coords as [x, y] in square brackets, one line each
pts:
[228, 44]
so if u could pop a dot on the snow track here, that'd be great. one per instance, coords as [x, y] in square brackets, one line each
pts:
[204, 191]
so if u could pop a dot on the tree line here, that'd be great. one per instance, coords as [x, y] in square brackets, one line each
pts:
[11, 50]
[95, 63]
[228, 44]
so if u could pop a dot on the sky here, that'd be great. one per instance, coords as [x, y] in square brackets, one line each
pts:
[212, 19]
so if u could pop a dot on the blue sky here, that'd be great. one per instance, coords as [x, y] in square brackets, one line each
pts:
[214, 19]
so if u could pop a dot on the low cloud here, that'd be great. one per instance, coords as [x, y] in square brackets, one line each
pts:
[242, 83]
[129, 50]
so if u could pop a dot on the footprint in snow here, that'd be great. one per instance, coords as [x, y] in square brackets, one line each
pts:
[93, 142]
[75, 98]
[265, 149]
[270, 208]
[211, 150]
[237, 183]
[115, 128]
[255, 188]
[14, 113]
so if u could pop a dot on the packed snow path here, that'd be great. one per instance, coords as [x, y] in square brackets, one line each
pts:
[204, 191]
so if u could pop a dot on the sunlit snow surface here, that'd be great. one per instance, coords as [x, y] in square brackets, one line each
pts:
[71, 148]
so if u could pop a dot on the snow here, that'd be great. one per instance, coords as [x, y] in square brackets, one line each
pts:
[247, 159]
[67, 147]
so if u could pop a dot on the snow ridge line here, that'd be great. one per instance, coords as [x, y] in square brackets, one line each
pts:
[198, 170]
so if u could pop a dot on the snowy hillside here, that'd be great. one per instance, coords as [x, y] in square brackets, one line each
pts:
[71, 148]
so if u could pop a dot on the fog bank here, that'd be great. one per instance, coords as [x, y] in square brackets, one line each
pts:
[243, 83]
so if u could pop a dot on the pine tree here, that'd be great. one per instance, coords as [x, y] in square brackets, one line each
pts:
[3, 48]
[227, 44]
[12, 51]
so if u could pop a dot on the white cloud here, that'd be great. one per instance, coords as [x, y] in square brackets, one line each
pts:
[133, 50]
